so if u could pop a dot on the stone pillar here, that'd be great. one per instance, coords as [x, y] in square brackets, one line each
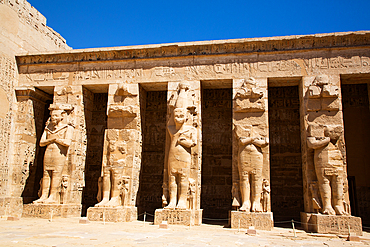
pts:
[119, 181]
[63, 174]
[182, 168]
[251, 167]
[327, 207]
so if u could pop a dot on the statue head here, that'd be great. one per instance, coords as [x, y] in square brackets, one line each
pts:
[56, 116]
[179, 115]
[334, 132]
[321, 80]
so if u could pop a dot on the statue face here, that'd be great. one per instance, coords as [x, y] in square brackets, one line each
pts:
[179, 115]
[56, 116]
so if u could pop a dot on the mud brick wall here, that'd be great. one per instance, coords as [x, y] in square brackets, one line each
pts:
[217, 153]
[153, 154]
[96, 123]
[357, 136]
[285, 153]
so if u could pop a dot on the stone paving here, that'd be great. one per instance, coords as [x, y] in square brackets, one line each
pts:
[69, 232]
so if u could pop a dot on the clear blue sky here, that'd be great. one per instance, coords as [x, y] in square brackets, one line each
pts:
[88, 24]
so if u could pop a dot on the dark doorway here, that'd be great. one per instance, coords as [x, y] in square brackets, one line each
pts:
[154, 111]
[356, 116]
[216, 198]
[95, 109]
[32, 185]
[285, 153]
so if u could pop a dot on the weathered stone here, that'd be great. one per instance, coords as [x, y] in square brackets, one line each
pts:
[178, 217]
[333, 224]
[260, 221]
[110, 214]
[48, 211]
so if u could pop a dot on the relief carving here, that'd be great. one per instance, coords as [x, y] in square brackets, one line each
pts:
[250, 166]
[57, 138]
[249, 98]
[121, 106]
[322, 95]
[114, 184]
[329, 167]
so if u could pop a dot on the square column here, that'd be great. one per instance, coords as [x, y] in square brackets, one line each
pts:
[119, 181]
[182, 168]
[324, 158]
[251, 166]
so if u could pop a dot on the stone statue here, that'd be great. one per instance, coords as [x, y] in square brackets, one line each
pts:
[249, 98]
[192, 190]
[183, 136]
[265, 195]
[329, 167]
[57, 138]
[112, 173]
[63, 189]
[250, 165]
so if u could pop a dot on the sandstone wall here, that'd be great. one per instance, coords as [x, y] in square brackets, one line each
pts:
[22, 30]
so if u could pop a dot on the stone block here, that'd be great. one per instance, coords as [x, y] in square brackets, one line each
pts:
[178, 216]
[84, 221]
[12, 218]
[46, 211]
[163, 225]
[333, 224]
[260, 221]
[11, 206]
[118, 214]
[251, 232]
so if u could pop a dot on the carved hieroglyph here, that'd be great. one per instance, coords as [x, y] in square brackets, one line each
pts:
[57, 138]
[250, 174]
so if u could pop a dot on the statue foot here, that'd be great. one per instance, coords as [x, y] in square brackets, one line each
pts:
[246, 207]
[40, 200]
[50, 201]
[102, 203]
[181, 205]
[328, 211]
[170, 206]
[114, 202]
[340, 210]
[256, 207]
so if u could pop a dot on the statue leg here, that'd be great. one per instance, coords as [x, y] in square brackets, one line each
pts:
[106, 187]
[325, 191]
[115, 200]
[45, 187]
[245, 192]
[56, 180]
[184, 188]
[256, 190]
[173, 192]
[337, 185]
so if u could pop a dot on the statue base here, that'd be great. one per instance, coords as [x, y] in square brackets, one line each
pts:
[11, 206]
[260, 221]
[47, 211]
[333, 224]
[187, 217]
[118, 214]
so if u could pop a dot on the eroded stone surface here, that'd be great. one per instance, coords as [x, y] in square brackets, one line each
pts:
[178, 216]
[260, 221]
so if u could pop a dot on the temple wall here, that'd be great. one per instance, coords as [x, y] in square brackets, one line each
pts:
[22, 30]
[315, 65]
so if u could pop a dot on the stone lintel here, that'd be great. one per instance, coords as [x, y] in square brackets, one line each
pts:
[24, 93]
[260, 221]
[47, 211]
[185, 217]
[201, 48]
[331, 224]
[119, 214]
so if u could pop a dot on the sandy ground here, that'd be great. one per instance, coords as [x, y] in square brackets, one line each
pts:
[69, 232]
